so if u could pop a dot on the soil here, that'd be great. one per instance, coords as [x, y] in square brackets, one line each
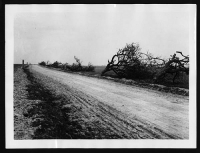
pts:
[56, 104]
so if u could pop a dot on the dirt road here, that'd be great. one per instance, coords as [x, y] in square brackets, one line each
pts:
[138, 112]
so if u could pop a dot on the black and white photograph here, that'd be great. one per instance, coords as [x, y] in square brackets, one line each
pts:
[100, 76]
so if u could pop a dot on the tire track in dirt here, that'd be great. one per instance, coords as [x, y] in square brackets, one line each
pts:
[118, 121]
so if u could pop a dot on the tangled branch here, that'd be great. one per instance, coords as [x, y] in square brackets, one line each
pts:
[130, 62]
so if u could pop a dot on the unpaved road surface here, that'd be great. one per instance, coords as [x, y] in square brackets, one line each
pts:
[135, 111]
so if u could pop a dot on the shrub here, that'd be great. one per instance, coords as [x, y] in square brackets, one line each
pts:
[56, 64]
[42, 63]
[89, 68]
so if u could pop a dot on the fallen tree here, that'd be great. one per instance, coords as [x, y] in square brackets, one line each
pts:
[173, 66]
[130, 62]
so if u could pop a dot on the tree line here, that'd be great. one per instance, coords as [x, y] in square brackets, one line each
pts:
[76, 67]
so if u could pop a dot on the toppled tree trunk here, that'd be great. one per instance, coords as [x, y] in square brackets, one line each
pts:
[173, 66]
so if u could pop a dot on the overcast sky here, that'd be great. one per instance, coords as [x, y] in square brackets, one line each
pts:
[94, 33]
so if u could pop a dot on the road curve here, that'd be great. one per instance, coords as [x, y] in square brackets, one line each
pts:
[164, 112]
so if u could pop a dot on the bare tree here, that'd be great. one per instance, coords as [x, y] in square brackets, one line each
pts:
[124, 58]
[76, 66]
[173, 66]
[132, 63]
